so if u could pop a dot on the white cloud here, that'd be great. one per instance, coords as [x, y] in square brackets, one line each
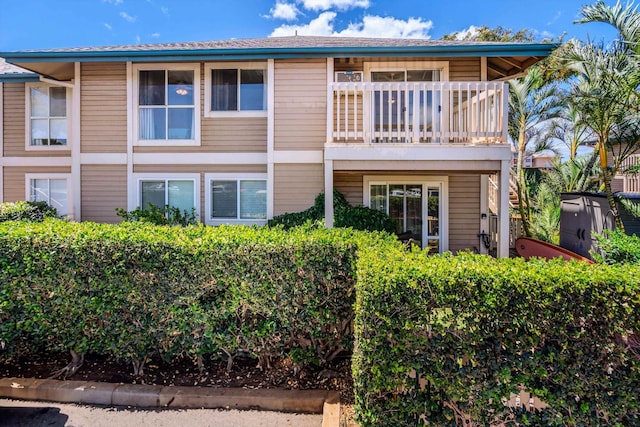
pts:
[107, 26]
[389, 27]
[138, 39]
[283, 10]
[555, 18]
[321, 26]
[164, 10]
[469, 33]
[371, 26]
[155, 35]
[338, 4]
[127, 17]
[114, 2]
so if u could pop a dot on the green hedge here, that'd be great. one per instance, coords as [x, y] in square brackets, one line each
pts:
[474, 330]
[615, 247]
[345, 216]
[136, 291]
[26, 211]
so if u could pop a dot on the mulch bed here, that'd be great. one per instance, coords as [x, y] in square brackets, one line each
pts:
[245, 373]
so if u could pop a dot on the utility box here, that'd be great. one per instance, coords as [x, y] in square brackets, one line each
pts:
[583, 215]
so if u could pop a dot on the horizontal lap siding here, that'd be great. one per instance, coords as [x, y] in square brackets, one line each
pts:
[464, 211]
[464, 70]
[350, 185]
[460, 69]
[103, 100]
[234, 135]
[13, 180]
[300, 105]
[296, 186]
[104, 188]
[14, 119]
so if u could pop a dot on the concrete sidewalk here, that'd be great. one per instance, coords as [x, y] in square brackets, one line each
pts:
[269, 401]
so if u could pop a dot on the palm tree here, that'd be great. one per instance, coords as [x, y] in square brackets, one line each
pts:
[532, 102]
[605, 90]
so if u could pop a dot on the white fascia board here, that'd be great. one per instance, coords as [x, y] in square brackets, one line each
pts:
[298, 157]
[200, 158]
[103, 158]
[37, 161]
[437, 152]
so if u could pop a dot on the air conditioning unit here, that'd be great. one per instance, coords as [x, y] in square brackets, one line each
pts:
[348, 76]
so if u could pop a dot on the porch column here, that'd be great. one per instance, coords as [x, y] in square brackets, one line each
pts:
[503, 209]
[328, 193]
[484, 211]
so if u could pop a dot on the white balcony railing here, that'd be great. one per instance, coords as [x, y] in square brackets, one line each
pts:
[441, 112]
[631, 183]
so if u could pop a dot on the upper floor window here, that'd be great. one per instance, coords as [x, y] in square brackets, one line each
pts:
[237, 89]
[47, 111]
[168, 105]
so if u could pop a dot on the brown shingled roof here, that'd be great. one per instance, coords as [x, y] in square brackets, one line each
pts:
[290, 42]
[6, 68]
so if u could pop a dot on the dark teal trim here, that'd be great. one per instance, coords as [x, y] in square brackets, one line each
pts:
[279, 53]
[19, 78]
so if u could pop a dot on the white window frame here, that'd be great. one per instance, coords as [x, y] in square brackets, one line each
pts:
[239, 66]
[27, 127]
[56, 176]
[426, 181]
[136, 68]
[209, 177]
[138, 178]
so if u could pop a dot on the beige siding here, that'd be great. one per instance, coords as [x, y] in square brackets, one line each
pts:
[350, 185]
[104, 188]
[460, 69]
[296, 186]
[300, 104]
[464, 69]
[464, 211]
[13, 180]
[103, 100]
[234, 135]
[14, 119]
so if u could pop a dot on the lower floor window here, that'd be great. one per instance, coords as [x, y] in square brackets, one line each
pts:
[176, 193]
[52, 191]
[240, 199]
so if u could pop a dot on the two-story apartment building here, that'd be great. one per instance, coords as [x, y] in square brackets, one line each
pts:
[242, 130]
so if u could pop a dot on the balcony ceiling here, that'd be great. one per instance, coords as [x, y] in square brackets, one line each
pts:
[503, 68]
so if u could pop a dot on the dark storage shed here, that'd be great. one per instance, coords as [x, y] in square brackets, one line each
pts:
[583, 215]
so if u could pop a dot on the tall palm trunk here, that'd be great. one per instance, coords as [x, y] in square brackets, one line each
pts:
[521, 185]
[606, 179]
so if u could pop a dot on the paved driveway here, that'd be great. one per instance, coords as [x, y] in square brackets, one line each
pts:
[49, 414]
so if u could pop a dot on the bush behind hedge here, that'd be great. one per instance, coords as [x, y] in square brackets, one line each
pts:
[26, 211]
[470, 330]
[134, 290]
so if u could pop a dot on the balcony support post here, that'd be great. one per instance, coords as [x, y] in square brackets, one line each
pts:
[328, 193]
[503, 209]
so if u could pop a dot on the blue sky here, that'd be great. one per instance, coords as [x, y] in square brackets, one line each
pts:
[41, 24]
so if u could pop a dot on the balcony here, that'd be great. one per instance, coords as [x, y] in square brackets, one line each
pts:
[631, 182]
[418, 113]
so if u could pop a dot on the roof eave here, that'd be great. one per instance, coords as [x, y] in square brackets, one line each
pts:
[538, 50]
[19, 78]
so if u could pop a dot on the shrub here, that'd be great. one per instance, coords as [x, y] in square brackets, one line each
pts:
[169, 215]
[26, 211]
[447, 339]
[615, 247]
[356, 217]
[135, 291]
